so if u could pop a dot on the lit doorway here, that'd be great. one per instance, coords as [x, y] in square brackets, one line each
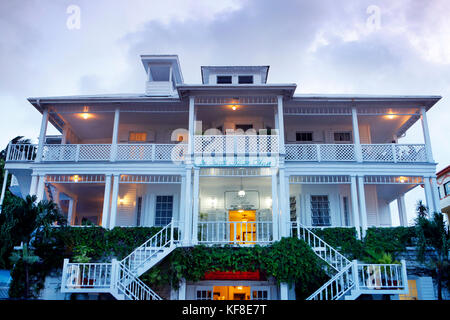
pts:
[242, 226]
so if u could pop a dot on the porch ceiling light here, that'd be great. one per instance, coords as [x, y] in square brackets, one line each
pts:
[241, 192]
[76, 178]
[85, 115]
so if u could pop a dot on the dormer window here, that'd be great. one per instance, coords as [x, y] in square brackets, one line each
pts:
[245, 79]
[159, 73]
[224, 79]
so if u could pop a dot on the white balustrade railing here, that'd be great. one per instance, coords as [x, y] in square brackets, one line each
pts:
[322, 249]
[167, 237]
[131, 286]
[381, 276]
[95, 276]
[337, 286]
[235, 232]
[213, 145]
[21, 152]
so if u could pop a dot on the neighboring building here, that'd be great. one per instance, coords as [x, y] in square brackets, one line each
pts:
[443, 182]
[231, 160]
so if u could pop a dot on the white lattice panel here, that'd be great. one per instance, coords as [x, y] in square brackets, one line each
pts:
[377, 152]
[59, 152]
[337, 152]
[94, 152]
[135, 152]
[411, 153]
[301, 152]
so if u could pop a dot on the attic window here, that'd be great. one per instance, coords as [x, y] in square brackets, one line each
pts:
[159, 73]
[223, 79]
[245, 79]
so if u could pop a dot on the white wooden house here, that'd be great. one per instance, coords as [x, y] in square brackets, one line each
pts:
[234, 159]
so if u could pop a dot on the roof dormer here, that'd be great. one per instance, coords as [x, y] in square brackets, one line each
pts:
[163, 74]
[234, 75]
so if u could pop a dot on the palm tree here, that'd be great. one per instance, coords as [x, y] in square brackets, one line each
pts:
[432, 233]
[27, 258]
[26, 220]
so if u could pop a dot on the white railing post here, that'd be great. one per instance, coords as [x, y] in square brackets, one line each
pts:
[77, 152]
[64, 275]
[404, 275]
[114, 274]
[356, 139]
[319, 156]
[171, 233]
[394, 152]
[355, 274]
[8, 151]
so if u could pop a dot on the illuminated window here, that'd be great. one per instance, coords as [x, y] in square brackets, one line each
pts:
[137, 136]
[412, 293]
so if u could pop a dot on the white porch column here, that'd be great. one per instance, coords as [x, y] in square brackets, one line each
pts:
[115, 195]
[187, 233]
[181, 206]
[191, 128]
[115, 134]
[106, 201]
[275, 201]
[284, 204]
[435, 195]
[362, 204]
[428, 194]
[2, 196]
[357, 141]
[284, 291]
[33, 184]
[70, 211]
[355, 209]
[402, 211]
[42, 133]
[426, 134]
[195, 206]
[40, 188]
[280, 115]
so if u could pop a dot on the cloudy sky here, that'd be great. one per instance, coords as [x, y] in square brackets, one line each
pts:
[367, 47]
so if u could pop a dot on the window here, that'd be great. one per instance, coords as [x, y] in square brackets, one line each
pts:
[223, 79]
[346, 212]
[293, 208]
[139, 211]
[447, 188]
[164, 209]
[320, 211]
[137, 136]
[245, 79]
[260, 295]
[303, 136]
[203, 295]
[343, 136]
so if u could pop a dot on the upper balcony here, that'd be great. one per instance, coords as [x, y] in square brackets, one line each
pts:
[229, 131]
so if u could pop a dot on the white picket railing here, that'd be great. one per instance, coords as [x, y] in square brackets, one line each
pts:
[164, 239]
[95, 276]
[235, 232]
[337, 286]
[322, 249]
[131, 286]
[21, 152]
[381, 276]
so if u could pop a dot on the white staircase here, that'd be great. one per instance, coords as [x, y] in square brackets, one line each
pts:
[121, 278]
[350, 279]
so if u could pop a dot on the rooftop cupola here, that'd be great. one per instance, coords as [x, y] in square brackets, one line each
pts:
[163, 74]
[234, 75]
